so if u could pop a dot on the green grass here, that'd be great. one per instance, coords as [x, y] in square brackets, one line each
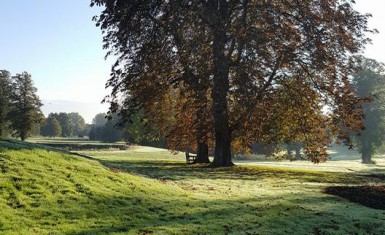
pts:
[72, 144]
[150, 191]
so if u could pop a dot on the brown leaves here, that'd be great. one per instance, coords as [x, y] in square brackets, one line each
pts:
[273, 66]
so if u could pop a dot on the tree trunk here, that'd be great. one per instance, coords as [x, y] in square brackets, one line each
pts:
[201, 119]
[366, 152]
[289, 151]
[222, 157]
[22, 136]
[298, 150]
[202, 153]
[366, 157]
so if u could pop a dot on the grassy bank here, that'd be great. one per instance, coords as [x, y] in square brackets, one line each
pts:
[149, 191]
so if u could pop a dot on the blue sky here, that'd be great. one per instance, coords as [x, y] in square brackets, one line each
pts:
[59, 45]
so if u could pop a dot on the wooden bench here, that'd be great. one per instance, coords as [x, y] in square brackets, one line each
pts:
[190, 158]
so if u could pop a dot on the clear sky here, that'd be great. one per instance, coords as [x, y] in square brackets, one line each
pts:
[57, 42]
[59, 45]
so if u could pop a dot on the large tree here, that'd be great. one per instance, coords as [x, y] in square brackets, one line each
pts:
[25, 110]
[240, 52]
[370, 81]
[5, 92]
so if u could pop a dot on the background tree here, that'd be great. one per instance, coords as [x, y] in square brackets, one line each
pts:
[96, 129]
[135, 130]
[87, 129]
[78, 124]
[5, 99]
[51, 127]
[140, 131]
[95, 132]
[111, 132]
[108, 132]
[370, 81]
[295, 117]
[25, 106]
[100, 119]
[247, 49]
[36, 128]
[65, 123]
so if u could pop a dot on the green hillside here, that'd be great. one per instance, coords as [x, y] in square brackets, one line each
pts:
[47, 192]
[44, 191]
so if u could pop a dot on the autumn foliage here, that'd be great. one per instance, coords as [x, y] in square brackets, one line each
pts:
[226, 72]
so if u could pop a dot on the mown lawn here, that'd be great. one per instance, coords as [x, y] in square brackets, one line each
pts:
[154, 192]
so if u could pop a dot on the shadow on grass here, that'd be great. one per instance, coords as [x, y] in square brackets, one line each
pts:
[370, 196]
[264, 215]
[167, 170]
[377, 171]
[17, 144]
[139, 208]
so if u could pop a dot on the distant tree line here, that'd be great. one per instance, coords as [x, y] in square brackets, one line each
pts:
[106, 128]
[20, 112]
[64, 125]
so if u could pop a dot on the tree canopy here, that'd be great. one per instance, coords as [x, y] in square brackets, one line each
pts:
[232, 60]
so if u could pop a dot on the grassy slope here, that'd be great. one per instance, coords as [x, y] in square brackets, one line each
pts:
[45, 192]
[136, 192]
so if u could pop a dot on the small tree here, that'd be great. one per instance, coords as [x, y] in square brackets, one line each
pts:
[25, 106]
[370, 81]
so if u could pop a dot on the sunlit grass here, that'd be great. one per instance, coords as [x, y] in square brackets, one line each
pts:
[64, 140]
[139, 191]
